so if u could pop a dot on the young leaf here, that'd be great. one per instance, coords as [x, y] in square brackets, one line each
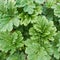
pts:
[40, 1]
[57, 10]
[38, 52]
[10, 41]
[25, 19]
[43, 29]
[9, 17]
[17, 56]
[50, 3]
[29, 7]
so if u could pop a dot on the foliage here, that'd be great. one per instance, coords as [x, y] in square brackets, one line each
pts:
[29, 29]
[11, 41]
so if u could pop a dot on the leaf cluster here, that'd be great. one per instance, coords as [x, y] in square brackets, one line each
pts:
[29, 29]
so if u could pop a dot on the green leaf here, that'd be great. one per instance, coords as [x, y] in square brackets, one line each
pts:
[29, 7]
[7, 24]
[57, 1]
[9, 17]
[36, 52]
[50, 3]
[17, 56]
[49, 13]
[13, 57]
[56, 46]
[22, 56]
[57, 10]
[10, 41]
[39, 1]
[58, 38]
[20, 3]
[25, 19]
[38, 10]
[56, 53]
[3, 6]
[3, 55]
[43, 29]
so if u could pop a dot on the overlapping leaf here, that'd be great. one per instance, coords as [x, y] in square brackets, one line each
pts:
[3, 56]
[49, 13]
[17, 56]
[50, 3]
[40, 1]
[41, 33]
[28, 6]
[58, 38]
[56, 46]
[57, 10]
[38, 52]
[8, 16]
[10, 41]
[43, 28]
[25, 19]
